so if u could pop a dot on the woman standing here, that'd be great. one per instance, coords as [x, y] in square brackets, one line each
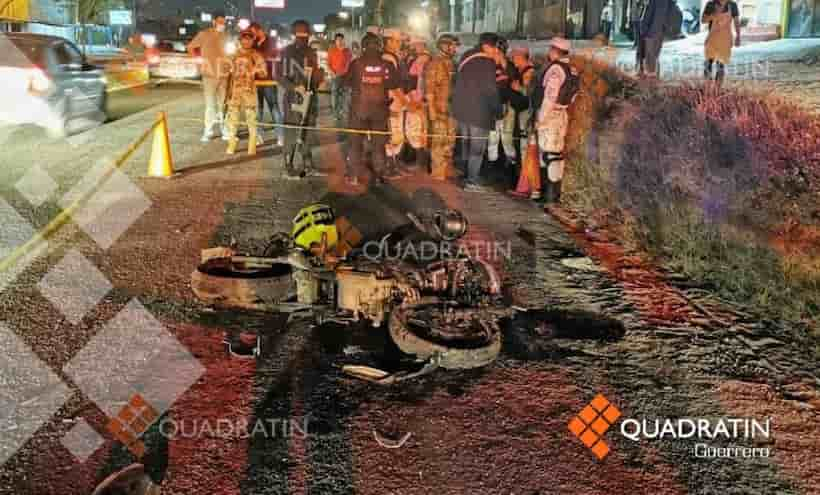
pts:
[720, 15]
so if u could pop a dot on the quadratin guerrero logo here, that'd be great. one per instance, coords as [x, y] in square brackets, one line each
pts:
[600, 415]
[592, 422]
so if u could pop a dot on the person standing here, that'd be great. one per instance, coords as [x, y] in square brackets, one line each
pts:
[371, 79]
[477, 104]
[606, 20]
[507, 76]
[210, 46]
[398, 99]
[339, 57]
[246, 66]
[720, 15]
[652, 31]
[299, 78]
[266, 95]
[553, 118]
[415, 117]
[438, 79]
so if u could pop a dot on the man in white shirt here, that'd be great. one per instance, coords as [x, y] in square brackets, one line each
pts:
[209, 45]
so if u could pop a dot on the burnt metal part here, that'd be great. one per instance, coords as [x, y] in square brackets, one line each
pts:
[233, 285]
[457, 337]
[129, 481]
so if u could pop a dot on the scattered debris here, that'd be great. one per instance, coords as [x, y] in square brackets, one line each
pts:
[388, 444]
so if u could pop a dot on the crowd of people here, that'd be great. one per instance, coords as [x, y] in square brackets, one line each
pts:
[450, 116]
[447, 112]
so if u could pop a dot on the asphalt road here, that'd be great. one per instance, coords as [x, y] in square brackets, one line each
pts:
[121, 104]
[130, 101]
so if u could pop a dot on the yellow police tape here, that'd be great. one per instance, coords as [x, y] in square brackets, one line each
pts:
[347, 130]
[37, 242]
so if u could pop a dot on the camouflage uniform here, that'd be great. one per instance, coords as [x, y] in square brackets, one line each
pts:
[246, 66]
[438, 79]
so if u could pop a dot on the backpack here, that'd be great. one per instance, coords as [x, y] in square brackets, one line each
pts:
[566, 95]
[674, 21]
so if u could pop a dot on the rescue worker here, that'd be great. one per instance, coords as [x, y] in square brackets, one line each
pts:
[371, 79]
[553, 119]
[299, 66]
[398, 99]
[415, 118]
[246, 66]
[438, 81]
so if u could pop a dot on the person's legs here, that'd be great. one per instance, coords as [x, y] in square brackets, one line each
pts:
[221, 95]
[231, 127]
[494, 141]
[721, 72]
[508, 136]
[476, 145]
[278, 113]
[379, 146]
[355, 161]
[707, 69]
[250, 120]
[209, 88]
[652, 48]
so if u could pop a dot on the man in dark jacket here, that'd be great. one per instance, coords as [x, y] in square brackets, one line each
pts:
[371, 79]
[653, 28]
[299, 77]
[477, 104]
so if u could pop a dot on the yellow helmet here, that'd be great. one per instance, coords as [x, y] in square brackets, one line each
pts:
[312, 223]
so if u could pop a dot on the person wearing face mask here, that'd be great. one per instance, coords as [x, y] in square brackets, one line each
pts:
[299, 78]
[209, 45]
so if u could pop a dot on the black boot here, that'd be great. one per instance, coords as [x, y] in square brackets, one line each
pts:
[545, 180]
[556, 186]
[423, 161]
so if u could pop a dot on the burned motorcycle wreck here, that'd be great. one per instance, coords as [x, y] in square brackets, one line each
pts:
[439, 304]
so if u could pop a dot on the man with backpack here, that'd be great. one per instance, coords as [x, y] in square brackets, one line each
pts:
[559, 87]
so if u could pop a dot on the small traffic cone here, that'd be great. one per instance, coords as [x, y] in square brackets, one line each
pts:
[161, 163]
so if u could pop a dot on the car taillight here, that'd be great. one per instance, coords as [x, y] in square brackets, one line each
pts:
[39, 82]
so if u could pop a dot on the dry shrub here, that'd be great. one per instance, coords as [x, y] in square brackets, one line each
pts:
[703, 178]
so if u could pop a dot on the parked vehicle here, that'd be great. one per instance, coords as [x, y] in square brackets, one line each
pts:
[170, 60]
[46, 81]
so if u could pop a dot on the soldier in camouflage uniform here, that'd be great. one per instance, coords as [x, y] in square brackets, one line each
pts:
[246, 65]
[438, 75]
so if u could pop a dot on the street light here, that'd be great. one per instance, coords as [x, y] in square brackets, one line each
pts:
[344, 15]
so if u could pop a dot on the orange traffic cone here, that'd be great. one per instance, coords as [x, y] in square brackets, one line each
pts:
[161, 163]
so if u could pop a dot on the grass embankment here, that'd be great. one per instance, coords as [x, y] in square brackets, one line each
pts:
[720, 185]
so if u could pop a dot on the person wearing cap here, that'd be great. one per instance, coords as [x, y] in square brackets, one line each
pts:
[209, 45]
[477, 105]
[553, 120]
[246, 66]
[438, 80]
[299, 76]
[415, 118]
[398, 99]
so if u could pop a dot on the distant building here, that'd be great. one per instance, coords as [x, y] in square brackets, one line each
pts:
[38, 16]
[582, 18]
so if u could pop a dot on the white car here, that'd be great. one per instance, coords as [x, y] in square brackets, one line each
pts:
[46, 81]
[170, 60]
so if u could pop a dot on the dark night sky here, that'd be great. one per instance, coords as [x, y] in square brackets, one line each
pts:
[312, 10]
